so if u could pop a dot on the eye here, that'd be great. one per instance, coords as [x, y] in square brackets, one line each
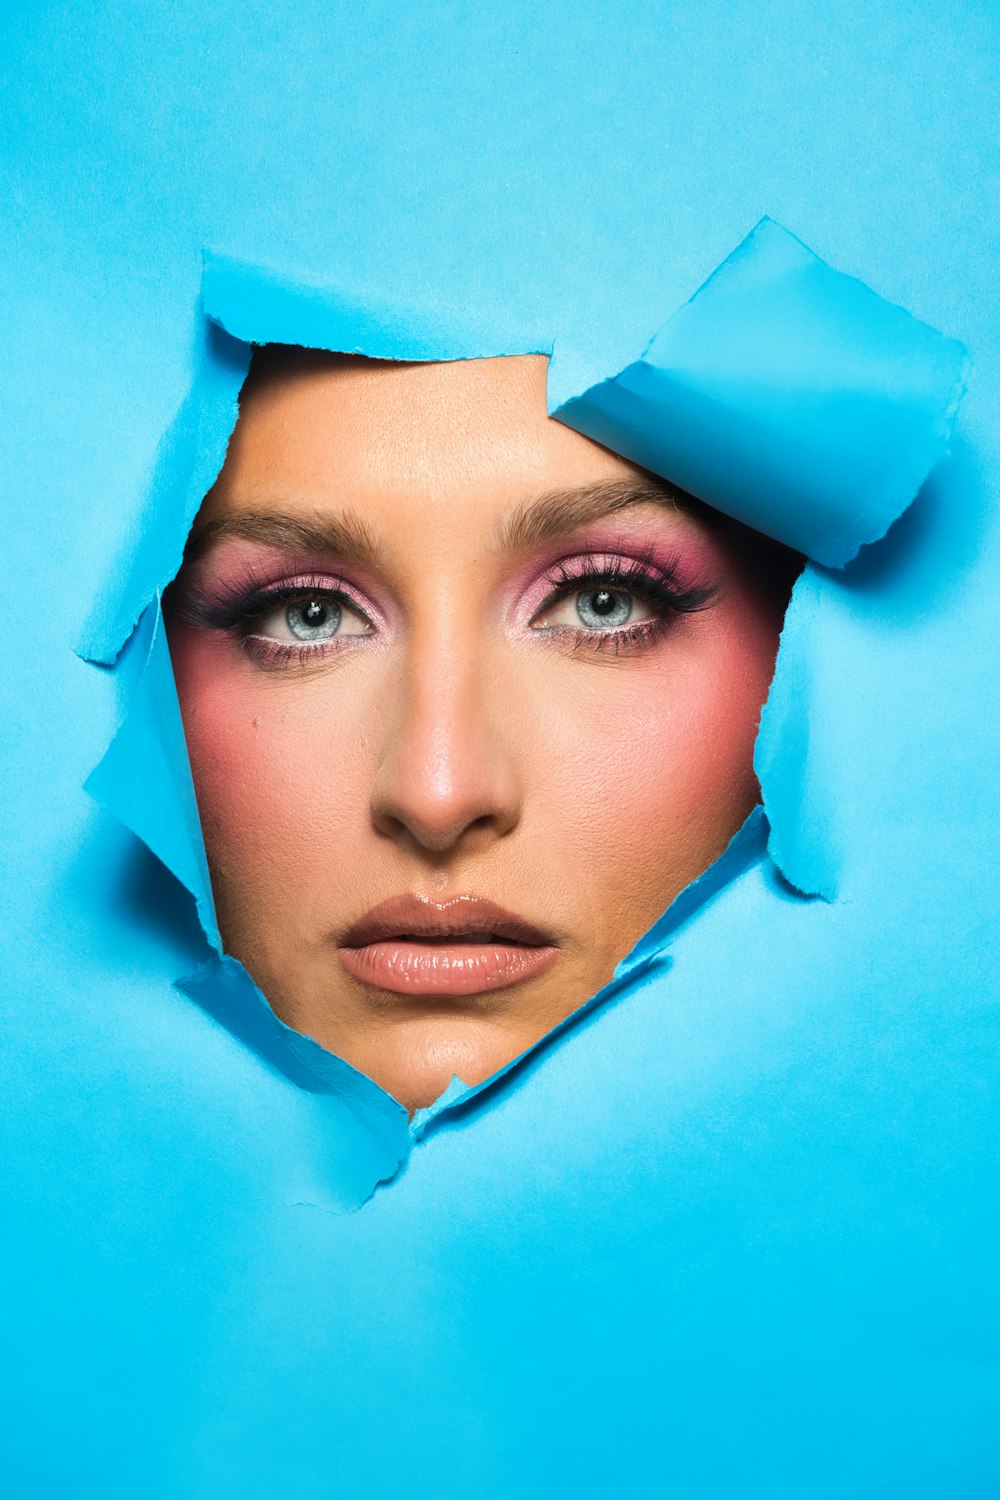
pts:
[310, 619]
[598, 607]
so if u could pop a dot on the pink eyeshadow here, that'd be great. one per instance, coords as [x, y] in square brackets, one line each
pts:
[690, 560]
[234, 567]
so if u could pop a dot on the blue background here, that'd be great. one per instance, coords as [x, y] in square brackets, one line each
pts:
[737, 1233]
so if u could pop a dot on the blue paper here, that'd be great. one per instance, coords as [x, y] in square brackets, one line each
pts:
[787, 395]
[264, 307]
[144, 778]
[732, 1230]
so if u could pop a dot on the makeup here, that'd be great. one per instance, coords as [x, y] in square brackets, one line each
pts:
[620, 597]
[616, 600]
[278, 608]
[413, 656]
[466, 946]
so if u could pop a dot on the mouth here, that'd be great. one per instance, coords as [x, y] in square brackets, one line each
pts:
[410, 945]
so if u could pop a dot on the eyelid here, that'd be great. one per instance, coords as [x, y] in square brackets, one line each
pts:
[602, 561]
[661, 582]
[237, 604]
[328, 586]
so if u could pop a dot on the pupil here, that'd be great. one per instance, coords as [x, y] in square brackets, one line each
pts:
[603, 602]
[313, 619]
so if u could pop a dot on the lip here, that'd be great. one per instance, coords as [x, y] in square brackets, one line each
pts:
[410, 945]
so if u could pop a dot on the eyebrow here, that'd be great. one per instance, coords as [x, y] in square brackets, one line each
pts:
[532, 522]
[347, 535]
[557, 512]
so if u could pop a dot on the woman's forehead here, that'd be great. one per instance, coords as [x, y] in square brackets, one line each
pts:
[492, 390]
[375, 431]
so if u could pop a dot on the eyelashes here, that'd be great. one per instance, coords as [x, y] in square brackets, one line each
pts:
[242, 604]
[605, 584]
[240, 608]
[610, 603]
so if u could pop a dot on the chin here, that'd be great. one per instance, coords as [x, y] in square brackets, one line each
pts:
[418, 1064]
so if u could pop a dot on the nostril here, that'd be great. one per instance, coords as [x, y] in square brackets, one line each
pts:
[438, 832]
[437, 814]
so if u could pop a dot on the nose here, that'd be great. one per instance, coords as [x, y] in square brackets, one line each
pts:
[448, 777]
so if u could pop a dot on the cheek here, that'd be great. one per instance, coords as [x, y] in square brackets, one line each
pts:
[275, 772]
[653, 761]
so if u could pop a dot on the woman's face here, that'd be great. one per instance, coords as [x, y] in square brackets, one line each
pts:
[435, 650]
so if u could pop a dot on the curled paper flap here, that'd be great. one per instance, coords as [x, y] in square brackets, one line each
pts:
[265, 307]
[187, 465]
[789, 396]
[746, 848]
[801, 843]
[353, 1136]
[144, 778]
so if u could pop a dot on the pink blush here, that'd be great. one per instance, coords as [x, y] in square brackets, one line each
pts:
[252, 781]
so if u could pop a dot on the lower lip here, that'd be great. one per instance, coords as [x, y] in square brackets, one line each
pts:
[411, 968]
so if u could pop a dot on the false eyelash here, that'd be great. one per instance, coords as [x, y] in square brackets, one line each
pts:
[238, 606]
[657, 583]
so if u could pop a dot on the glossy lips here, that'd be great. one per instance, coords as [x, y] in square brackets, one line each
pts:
[468, 946]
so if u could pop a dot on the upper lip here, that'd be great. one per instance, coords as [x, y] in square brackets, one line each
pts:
[418, 916]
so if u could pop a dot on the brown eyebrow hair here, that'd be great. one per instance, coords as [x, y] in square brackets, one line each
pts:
[532, 522]
[558, 511]
[346, 535]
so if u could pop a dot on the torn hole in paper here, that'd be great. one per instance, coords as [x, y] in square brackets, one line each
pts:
[789, 397]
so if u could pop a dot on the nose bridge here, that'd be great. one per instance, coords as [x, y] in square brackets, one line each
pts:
[443, 708]
[447, 766]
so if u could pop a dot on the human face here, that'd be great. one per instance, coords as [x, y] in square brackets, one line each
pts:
[436, 649]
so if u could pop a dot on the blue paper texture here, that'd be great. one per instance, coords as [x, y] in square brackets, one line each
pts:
[787, 395]
[732, 1229]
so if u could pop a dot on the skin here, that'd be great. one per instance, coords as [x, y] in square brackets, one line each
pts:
[469, 737]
